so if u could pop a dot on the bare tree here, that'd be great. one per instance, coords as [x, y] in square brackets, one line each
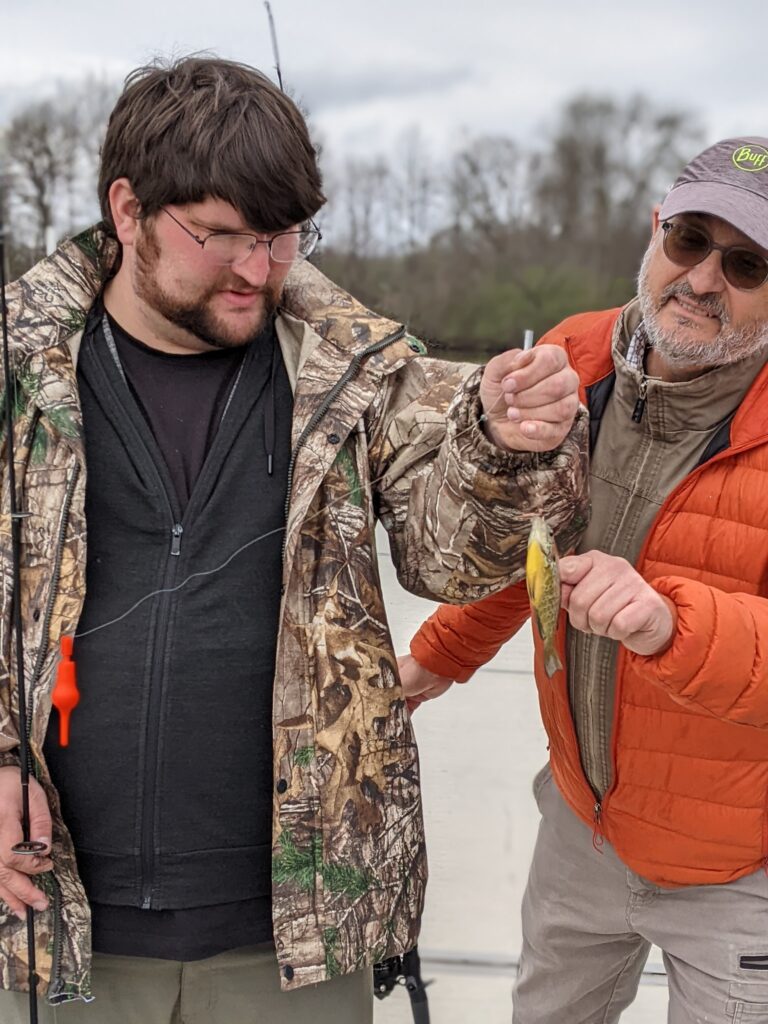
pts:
[41, 151]
[91, 103]
[417, 195]
[487, 187]
[607, 163]
[51, 153]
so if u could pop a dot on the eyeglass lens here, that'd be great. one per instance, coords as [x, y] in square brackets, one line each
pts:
[688, 246]
[284, 247]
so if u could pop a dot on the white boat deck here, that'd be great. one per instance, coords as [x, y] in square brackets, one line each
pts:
[480, 744]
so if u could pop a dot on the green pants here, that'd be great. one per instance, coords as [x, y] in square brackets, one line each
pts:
[242, 986]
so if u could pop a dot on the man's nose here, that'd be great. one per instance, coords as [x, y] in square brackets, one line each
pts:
[707, 276]
[255, 266]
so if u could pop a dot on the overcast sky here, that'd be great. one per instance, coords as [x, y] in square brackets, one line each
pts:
[369, 70]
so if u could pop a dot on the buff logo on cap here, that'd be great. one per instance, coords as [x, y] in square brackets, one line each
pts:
[751, 158]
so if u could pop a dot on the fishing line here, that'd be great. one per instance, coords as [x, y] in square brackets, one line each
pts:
[527, 346]
[270, 533]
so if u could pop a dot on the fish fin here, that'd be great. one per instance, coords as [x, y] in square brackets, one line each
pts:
[537, 620]
[552, 662]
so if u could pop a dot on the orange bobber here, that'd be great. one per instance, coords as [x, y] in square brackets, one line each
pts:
[65, 696]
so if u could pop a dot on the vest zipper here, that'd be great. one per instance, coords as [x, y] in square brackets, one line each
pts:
[637, 412]
[597, 831]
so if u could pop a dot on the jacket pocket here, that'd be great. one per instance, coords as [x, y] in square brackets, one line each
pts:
[754, 962]
[748, 1001]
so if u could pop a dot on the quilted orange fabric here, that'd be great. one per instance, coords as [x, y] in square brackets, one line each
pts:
[689, 800]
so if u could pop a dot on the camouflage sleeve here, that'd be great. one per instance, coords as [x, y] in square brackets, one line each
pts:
[456, 507]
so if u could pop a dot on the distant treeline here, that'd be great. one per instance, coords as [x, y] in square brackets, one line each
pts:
[468, 250]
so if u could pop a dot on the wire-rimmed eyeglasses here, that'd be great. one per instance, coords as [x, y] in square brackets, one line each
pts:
[687, 246]
[224, 248]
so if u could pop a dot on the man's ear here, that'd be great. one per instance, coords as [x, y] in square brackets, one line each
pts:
[125, 209]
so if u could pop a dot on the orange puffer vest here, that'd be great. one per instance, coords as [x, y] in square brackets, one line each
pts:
[689, 801]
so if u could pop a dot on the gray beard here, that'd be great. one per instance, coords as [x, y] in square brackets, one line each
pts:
[730, 345]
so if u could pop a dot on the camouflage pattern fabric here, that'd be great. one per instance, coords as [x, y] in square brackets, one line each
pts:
[380, 432]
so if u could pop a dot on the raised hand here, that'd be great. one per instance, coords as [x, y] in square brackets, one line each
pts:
[530, 399]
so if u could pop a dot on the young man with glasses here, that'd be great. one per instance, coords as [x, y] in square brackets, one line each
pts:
[238, 808]
[655, 801]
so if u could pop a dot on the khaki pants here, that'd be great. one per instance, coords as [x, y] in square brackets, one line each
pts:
[588, 923]
[240, 987]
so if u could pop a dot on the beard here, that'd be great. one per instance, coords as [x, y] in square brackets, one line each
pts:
[682, 349]
[195, 315]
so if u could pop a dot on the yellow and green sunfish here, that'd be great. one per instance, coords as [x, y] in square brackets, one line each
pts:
[543, 580]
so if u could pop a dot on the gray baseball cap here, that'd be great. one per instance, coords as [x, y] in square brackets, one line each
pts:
[728, 180]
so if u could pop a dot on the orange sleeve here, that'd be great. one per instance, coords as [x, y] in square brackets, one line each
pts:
[718, 659]
[457, 639]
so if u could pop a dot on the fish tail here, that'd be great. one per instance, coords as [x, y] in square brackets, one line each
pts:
[552, 662]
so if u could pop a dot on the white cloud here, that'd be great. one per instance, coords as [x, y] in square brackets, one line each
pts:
[367, 70]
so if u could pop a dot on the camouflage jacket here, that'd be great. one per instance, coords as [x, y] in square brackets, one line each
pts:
[379, 433]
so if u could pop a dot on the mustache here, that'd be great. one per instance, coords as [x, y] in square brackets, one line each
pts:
[708, 301]
[237, 284]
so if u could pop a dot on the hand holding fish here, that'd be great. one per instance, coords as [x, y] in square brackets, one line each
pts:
[530, 399]
[606, 596]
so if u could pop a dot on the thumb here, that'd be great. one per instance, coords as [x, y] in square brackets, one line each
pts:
[40, 827]
[500, 366]
[573, 568]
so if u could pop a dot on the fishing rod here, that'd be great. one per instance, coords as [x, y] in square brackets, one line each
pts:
[27, 847]
[275, 51]
[403, 970]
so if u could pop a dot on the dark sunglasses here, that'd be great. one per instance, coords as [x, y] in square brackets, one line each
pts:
[688, 246]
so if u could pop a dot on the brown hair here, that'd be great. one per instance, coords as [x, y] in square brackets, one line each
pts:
[201, 127]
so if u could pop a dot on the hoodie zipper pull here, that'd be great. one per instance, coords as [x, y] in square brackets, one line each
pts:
[639, 409]
[176, 533]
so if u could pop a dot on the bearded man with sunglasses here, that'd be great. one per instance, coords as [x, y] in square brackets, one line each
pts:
[237, 816]
[654, 803]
